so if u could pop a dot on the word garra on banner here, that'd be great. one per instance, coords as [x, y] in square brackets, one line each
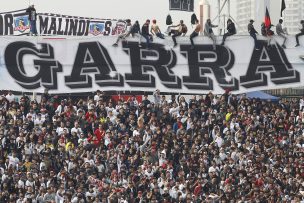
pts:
[93, 64]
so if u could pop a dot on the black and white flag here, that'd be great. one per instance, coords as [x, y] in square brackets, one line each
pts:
[181, 5]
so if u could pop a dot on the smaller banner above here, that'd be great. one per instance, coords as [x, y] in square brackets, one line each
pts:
[49, 24]
[181, 5]
[62, 25]
[14, 23]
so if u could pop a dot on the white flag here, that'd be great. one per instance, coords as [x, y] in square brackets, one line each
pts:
[258, 9]
[267, 4]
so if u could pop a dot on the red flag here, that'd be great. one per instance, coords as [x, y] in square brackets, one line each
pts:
[267, 19]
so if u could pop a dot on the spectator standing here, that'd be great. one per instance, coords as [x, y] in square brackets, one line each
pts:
[10, 97]
[157, 97]
[32, 18]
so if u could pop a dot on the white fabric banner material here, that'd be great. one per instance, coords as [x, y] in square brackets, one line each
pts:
[49, 24]
[89, 64]
[14, 23]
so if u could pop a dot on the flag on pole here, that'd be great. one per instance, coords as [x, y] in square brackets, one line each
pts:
[267, 19]
[181, 5]
[283, 6]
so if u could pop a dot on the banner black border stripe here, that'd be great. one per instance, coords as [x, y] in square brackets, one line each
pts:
[20, 14]
[13, 11]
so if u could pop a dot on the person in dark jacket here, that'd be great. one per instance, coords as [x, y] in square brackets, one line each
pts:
[300, 34]
[231, 30]
[135, 31]
[135, 28]
[32, 18]
[253, 33]
[145, 32]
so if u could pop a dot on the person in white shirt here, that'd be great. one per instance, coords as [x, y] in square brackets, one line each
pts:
[91, 193]
[10, 97]
[59, 198]
[44, 115]
[76, 129]
[125, 34]
[61, 129]
[162, 159]
[61, 108]
[30, 182]
[174, 110]
[219, 141]
[13, 160]
[31, 116]
[82, 140]
[233, 125]
[112, 117]
[97, 96]
[302, 103]
[110, 108]
[38, 121]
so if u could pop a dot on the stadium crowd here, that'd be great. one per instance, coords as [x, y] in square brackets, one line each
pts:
[212, 148]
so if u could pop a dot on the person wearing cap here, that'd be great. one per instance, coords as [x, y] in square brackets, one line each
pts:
[125, 34]
[231, 30]
[253, 33]
[301, 33]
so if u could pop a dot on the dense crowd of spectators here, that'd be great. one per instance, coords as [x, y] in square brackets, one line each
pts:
[212, 148]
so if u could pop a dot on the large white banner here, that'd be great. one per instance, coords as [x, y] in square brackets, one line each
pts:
[89, 64]
[49, 24]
